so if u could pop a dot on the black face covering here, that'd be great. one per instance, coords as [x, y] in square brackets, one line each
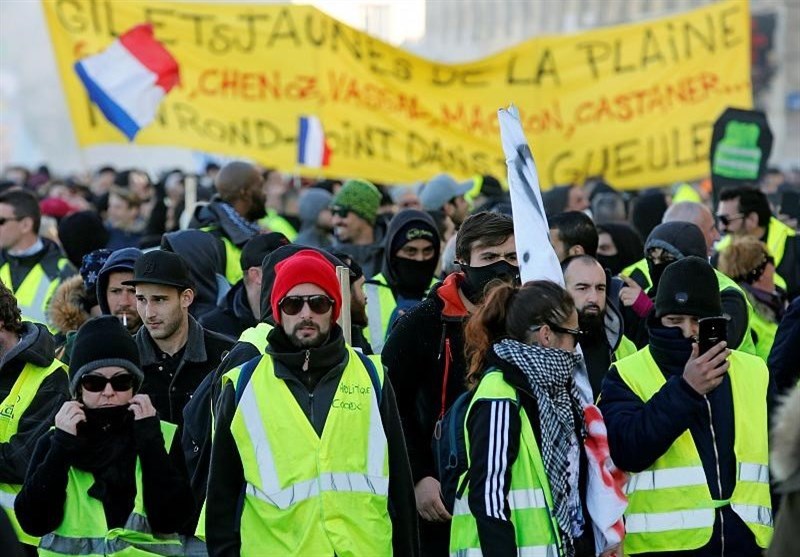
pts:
[413, 277]
[477, 278]
[611, 262]
[101, 421]
[656, 270]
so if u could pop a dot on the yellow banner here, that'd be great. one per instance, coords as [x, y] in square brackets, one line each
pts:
[633, 103]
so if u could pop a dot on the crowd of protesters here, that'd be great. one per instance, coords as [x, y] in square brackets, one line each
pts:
[176, 381]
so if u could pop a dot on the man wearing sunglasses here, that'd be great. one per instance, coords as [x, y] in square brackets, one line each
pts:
[310, 434]
[746, 211]
[30, 266]
[355, 213]
[33, 386]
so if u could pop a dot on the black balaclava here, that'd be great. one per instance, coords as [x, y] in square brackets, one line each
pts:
[478, 278]
[410, 278]
[681, 239]
[628, 243]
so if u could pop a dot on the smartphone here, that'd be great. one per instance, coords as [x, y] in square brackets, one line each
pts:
[713, 330]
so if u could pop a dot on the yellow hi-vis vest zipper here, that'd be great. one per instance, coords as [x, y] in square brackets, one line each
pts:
[669, 505]
[529, 496]
[84, 530]
[11, 410]
[311, 495]
[33, 294]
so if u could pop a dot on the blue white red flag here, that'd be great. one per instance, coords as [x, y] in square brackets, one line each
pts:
[128, 80]
[312, 148]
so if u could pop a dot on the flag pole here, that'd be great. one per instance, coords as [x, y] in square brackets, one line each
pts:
[343, 274]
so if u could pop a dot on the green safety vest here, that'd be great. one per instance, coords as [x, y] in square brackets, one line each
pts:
[529, 496]
[765, 335]
[276, 223]
[380, 306]
[737, 155]
[12, 408]
[233, 267]
[34, 292]
[669, 504]
[311, 495]
[777, 234]
[84, 530]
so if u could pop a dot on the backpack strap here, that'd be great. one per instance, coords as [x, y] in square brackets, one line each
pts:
[373, 375]
[244, 376]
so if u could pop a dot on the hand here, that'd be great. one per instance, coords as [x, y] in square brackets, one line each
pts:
[614, 551]
[629, 292]
[704, 373]
[70, 415]
[141, 407]
[430, 506]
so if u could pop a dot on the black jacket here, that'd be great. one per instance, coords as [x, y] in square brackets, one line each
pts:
[36, 347]
[167, 498]
[415, 353]
[639, 433]
[314, 391]
[221, 219]
[233, 314]
[488, 462]
[785, 353]
[202, 354]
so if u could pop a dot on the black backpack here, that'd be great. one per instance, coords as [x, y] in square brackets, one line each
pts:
[450, 450]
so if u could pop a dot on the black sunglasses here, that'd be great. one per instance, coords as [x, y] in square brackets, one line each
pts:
[4, 220]
[727, 219]
[97, 383]
[557, 329]
[340, 212]
[292, 305]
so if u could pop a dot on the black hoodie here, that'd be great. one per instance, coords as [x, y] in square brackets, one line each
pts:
[35, 347]
[121, 260]
[396, 226]
[205, 257]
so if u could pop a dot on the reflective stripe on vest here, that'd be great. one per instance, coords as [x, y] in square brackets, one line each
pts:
[84, 531]
[529, 498]
[670, 506]
[12, 408]
[33, 292]
[375, 333]
[307, 494]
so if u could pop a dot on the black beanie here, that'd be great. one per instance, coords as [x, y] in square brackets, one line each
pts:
[689, 286]
[101, 342]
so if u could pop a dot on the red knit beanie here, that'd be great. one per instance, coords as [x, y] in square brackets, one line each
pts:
[306, 266]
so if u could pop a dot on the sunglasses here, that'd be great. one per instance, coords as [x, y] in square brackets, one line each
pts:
[727, 219]
[292, 305]
[557, 329]
[4, 220]
[341, 212]
[97, 383]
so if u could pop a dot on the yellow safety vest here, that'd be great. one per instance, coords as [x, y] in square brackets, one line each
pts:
[626, 348]
[11, 410]
[311, 495]
[380, 306]
[765, 335]
[34, 292]
[257, 336]
[777, 234]
[642, 267]
[529, 496]
[84, 530]
[233, 267]
[669, 504]
[276, 223]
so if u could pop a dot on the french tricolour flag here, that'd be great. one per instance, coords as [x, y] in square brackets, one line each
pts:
[129, 78]
[312, 149]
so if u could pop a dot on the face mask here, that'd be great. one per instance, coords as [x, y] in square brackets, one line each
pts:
[656, 270]
[477, 278]
[105, 420]
[611, 262]
[412, 278]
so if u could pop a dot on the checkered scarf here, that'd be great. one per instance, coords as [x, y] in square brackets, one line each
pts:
[549, 373]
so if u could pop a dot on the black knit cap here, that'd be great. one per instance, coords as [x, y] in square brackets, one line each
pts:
[102, 342]
[260, 246]
[689, 286]
[161, 267]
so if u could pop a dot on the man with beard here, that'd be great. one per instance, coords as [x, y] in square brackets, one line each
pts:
[307, 437]
[355, 213]
[598, 318]
[114, 297]
[424, 356]
[233, 212]
[176, 352]
[410, 257]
